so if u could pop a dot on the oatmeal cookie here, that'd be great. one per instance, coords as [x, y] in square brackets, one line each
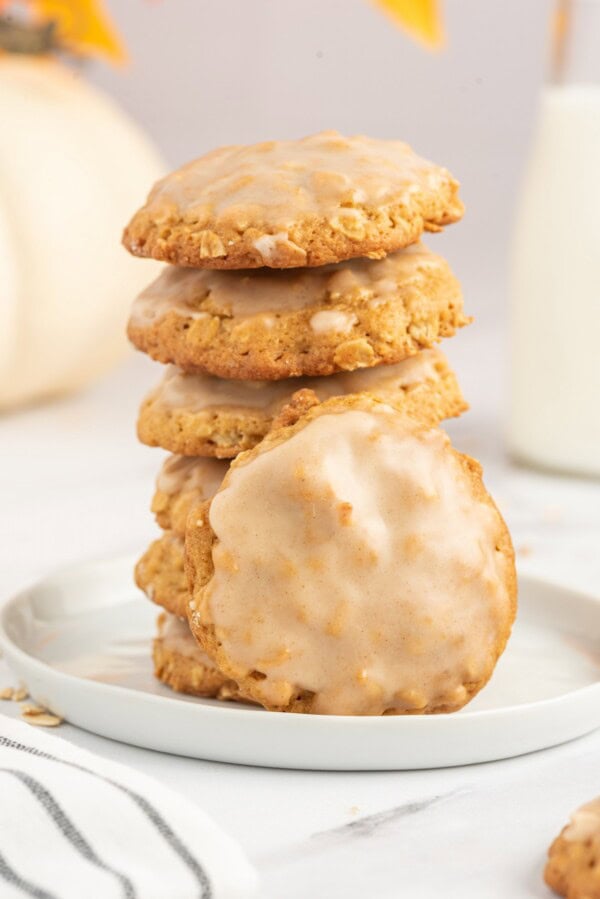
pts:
[573, 868]
[267, 325]
[284, 204]
[200, 415]
[353, 563]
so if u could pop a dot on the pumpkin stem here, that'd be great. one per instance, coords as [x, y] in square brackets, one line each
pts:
[27, 38]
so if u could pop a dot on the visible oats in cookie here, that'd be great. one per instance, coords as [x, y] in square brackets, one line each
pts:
[267, 325]
[573, 868]
[285, 204]
[200, 415]
[353, 563]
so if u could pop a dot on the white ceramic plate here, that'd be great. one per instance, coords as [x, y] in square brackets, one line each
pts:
[80, 640]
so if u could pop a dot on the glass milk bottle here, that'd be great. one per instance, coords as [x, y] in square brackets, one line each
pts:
[555, 289]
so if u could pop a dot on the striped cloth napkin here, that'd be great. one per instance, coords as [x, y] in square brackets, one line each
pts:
[73, 825]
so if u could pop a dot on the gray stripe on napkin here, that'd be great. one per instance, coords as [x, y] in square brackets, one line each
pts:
[30, 889]
[68, 829]
[206, 891]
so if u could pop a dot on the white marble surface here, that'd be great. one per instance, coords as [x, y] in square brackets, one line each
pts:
[76, 485]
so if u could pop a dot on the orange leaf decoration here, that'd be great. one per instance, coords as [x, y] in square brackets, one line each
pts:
[420, 18]
[560, 24]
[82, 26]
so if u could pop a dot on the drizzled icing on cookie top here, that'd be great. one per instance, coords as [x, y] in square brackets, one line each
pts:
[357, 559]
[188, 392]
[274, 184]
[199, 292]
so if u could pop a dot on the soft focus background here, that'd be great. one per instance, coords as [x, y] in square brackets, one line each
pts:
[202, 74]
[207, 72]
[210, 72]
[76, 484]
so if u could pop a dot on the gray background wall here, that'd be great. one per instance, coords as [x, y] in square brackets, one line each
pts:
[208, 72]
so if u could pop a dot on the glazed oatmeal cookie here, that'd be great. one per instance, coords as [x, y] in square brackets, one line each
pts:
[200, 415]
[285, 204]
[352, 563]
[573, 868]
[267, 325]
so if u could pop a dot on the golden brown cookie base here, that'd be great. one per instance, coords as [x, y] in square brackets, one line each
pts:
[218, 433]
[284, 345]
[573, 867]
[224, 433]
[199, 543]
[160, 574]
[185, 673]
[386, 229]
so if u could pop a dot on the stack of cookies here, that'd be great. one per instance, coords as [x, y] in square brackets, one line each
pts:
[335, 540]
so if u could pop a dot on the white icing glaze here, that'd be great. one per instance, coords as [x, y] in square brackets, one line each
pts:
[172, 291]
[274, 184]
[251, 293]
[585, 823]
[195, 392]
[177, 637]
[427, 365]
[354, 561]
[333, 320]
[200, 474]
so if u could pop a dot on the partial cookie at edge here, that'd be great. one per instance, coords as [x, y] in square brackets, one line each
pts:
[573, 868]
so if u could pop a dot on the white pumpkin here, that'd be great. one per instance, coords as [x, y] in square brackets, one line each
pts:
[73, 168]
